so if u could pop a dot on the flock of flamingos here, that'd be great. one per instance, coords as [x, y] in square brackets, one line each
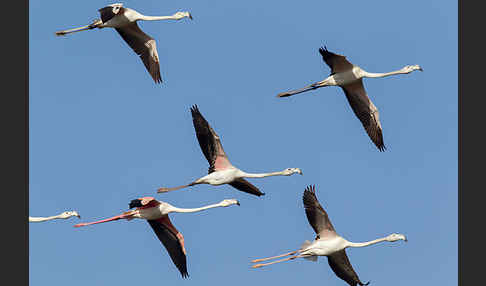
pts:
[327, 242]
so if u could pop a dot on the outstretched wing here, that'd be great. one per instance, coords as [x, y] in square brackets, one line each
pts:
[366, 112]
[209, 142]
[173, 242]
[316, 215]
[245, 186]
[144, 46]
[337, 63]
[341, 266]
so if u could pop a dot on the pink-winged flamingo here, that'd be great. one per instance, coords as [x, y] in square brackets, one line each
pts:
[63, 215]
[124, 20]
[221, 171]
[327, 242]
[349, 77]
[156, 213]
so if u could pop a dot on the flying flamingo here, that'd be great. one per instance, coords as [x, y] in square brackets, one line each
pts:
[349, 78]
[327, 243]
[156, 213]
[221, 171]
[124, 20]
[63, 215]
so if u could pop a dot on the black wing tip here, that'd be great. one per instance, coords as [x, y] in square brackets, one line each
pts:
[155, 73]
[247, 187]
[258, 194]
[364, 284]
[196, 114]
[309, 191]
[184, 274]
[310, 188]
[380, 144]
[323, 50]
[195, 109]
[376, 137]
[158, 79]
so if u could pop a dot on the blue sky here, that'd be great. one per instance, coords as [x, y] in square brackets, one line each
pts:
[102, 133]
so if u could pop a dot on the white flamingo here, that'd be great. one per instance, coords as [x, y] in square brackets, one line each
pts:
[157, 215]
[221, 171]
[349, 77]
[327, 243]
[124, 20]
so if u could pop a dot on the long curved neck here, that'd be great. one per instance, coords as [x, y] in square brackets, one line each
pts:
[376, 75]
[39, 219]
[363, 244]
[182, 210]
[261, 175]
[156, 18]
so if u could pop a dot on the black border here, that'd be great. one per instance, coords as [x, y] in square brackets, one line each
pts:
[15, 138]
[471, 143]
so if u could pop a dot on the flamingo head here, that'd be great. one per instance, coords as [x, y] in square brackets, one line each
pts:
[229, 202]
[179, 15]
[137, 203]
[409, 69]
[291, 171]
[68, 214]
[396, 236]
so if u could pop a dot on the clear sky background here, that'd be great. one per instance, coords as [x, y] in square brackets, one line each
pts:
[103, 133]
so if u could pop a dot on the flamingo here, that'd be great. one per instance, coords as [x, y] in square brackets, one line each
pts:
[327, 242]
[124, 20]
[349, 77]
[156, 213]
[221, 171]
[63, 215]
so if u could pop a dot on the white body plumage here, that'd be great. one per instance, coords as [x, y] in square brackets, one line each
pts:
[221, 177]
[324, 247]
